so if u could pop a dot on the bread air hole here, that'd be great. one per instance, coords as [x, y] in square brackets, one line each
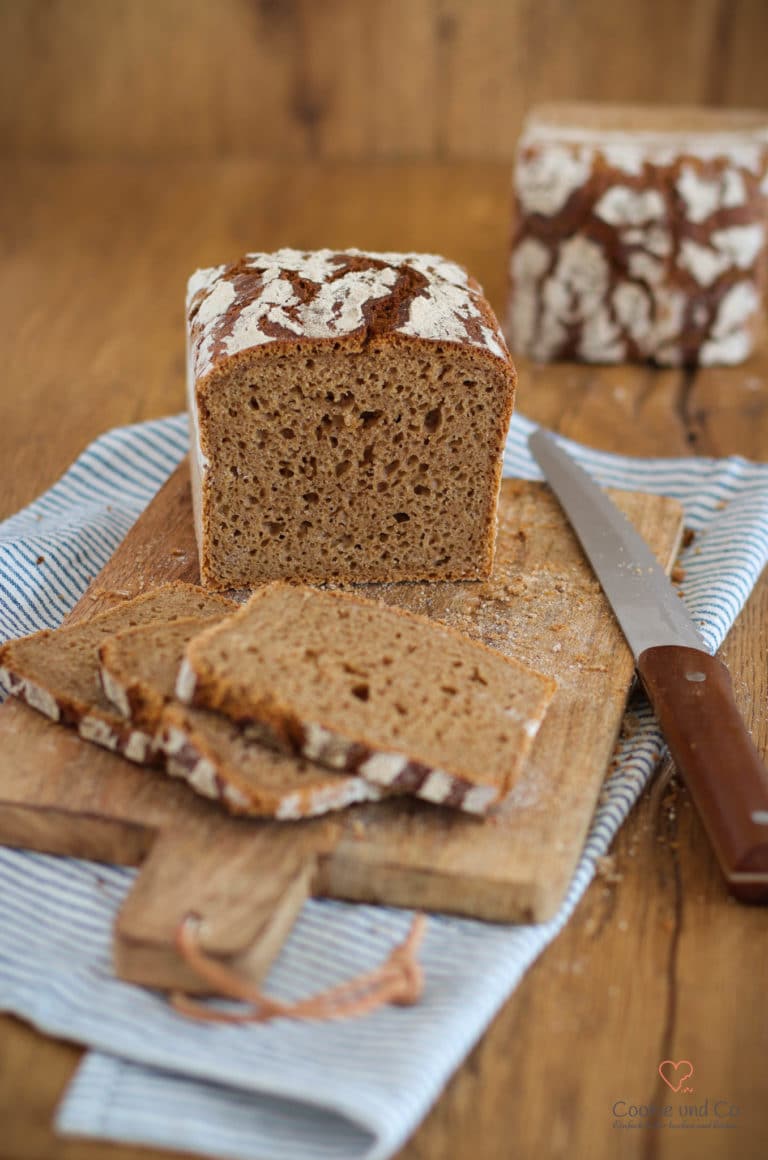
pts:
[433, 420]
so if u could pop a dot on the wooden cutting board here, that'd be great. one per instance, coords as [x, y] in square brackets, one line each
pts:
[249, 879]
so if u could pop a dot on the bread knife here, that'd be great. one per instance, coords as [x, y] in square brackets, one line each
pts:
[690, 689]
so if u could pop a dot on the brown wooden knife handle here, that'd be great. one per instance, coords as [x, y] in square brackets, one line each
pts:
[692, 694]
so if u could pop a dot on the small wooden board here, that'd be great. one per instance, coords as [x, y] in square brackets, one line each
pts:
[248, 879]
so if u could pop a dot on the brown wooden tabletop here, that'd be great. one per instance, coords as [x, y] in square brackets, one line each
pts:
[658, 962]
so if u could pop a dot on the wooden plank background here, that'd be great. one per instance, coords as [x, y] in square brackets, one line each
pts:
[350, 79]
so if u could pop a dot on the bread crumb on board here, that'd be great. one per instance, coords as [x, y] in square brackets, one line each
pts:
[605, 868]
[110, 593]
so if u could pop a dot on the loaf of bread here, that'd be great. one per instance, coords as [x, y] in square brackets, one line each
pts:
[57, 672]
[348, 413]
[221, 761]
[407, 704]
[640, 234]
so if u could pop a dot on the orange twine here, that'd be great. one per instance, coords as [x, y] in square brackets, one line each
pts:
[399, 979]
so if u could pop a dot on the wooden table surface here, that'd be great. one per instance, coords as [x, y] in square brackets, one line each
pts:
[657, 963]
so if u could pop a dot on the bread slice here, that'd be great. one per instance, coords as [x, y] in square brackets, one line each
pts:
[220, 760]
[404, 702]
[139, 666]
[216, 757]
[57, 671]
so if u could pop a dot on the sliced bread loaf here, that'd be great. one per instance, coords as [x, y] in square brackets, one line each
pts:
[57, 671]
[348, 416]
[402, 701]
[219, 760]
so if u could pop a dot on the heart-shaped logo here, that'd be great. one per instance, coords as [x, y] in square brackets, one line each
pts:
[675, 1074]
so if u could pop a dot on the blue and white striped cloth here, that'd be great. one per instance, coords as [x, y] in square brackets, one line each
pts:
[292, 1091]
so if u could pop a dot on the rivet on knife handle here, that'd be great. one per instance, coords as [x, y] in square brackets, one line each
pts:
[692, 694]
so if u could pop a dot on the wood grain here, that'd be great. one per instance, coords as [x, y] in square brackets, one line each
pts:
[656, 962]
[247, 888]
[349, 79]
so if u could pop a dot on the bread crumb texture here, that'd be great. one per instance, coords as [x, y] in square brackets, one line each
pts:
[405, 703]
[349, 412]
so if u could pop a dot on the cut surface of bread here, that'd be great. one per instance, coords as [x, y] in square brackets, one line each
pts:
[349, 412]
[57, 671]
[357, 686]
[139, 666]
[217, 759]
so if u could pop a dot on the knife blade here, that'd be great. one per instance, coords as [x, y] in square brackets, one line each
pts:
[690, 690]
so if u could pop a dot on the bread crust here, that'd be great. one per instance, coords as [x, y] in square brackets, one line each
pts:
[92, 723]
[642, 244]
[192, 754]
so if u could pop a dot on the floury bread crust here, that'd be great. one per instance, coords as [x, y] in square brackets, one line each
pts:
[57, 672]
[349, 412]
[640, 234]
[220, 761]
[405, 703]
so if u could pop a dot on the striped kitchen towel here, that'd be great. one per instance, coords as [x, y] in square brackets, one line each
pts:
[293, 1091]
